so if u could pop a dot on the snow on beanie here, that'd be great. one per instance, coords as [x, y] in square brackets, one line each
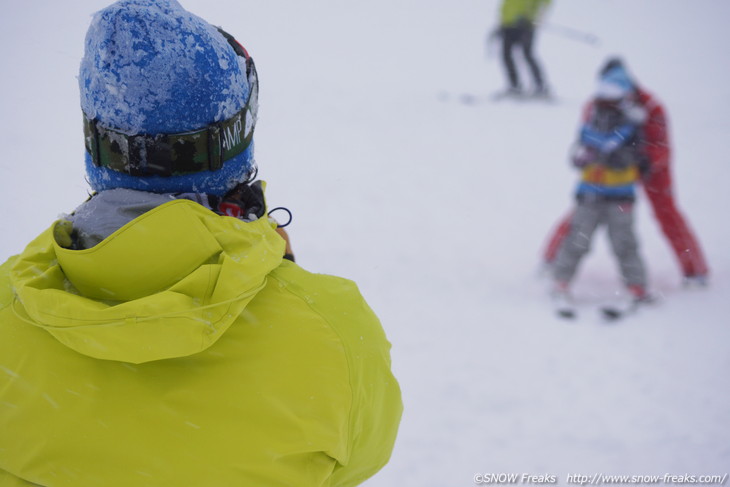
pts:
[614, 83]
[150, 67]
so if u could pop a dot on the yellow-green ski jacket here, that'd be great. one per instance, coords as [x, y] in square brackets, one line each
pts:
[513, 11]
[183, 351]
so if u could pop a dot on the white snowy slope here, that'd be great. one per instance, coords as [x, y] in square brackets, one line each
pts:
[439, 211]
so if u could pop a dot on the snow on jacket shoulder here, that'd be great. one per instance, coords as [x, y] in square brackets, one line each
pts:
[183, 350]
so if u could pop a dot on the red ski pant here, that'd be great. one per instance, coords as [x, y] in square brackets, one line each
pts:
[658, 188]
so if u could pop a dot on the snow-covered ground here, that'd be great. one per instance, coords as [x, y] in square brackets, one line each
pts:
[439, 211]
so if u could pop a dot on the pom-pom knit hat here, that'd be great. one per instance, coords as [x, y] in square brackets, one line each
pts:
[169, 101]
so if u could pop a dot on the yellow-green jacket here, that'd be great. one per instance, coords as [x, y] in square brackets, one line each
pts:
[514, 10]
[184, 351]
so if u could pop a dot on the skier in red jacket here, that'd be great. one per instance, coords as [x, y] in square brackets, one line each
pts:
[657, 183]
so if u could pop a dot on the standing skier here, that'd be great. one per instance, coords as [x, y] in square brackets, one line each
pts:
[610, 158]
[517, 30]
[158, 336]
[653, 138]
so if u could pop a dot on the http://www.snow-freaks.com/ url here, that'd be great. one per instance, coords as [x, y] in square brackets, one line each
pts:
[598, 479]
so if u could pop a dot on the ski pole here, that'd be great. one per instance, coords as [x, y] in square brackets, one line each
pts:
[571, 33]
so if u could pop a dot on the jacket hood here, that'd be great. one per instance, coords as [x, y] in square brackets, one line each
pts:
[168, 284]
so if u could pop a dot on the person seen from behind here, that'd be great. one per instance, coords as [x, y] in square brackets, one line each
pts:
[161, 334]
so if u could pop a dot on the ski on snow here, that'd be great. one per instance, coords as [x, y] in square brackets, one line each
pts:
[525, 96]
[608, 312]
[476, 99]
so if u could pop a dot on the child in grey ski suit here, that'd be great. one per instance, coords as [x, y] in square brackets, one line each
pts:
[611, 162]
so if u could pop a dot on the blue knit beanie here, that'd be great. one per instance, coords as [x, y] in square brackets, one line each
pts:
[150, 67]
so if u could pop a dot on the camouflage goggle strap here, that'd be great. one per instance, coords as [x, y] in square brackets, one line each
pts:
[169, 154]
